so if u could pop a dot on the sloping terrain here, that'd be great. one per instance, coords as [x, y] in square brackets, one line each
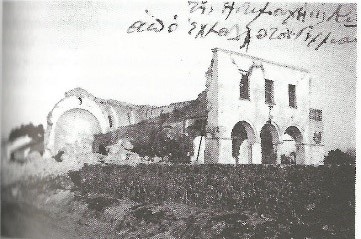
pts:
[96, 202]
[54, 208]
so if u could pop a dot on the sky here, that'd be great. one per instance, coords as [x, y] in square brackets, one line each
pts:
[52, 47]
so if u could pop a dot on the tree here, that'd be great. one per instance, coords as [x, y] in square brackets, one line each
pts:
[176, 147]
[337, 157]
[35, 132]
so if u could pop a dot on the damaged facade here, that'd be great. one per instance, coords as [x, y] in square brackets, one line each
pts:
[251, 110]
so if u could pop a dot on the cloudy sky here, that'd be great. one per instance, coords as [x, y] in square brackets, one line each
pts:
[52, 47]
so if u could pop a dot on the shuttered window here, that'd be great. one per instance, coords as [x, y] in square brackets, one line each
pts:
[292, 96]
[315, 114]
[244, 87]
[269, 92]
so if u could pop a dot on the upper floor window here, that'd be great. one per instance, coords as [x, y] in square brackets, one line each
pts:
[244, 87]
[269, 92]
[110, 121]
[315, 114]
[292, 96]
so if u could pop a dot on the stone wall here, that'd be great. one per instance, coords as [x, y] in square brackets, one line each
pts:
[236, 129]
[180, 121]
[227, 108]
[111, 119]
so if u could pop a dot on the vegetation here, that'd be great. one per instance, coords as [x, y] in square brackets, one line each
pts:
[35, 132]
[301, 201]
[337, 157]
[156, 139]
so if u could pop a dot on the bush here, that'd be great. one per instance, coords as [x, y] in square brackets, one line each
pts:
[301, 196]
[155, 140]
[337, 157]
[35, 132]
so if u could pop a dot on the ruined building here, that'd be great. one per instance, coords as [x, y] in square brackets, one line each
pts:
[252, 111]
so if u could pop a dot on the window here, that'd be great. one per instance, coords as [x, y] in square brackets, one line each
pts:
[292, 96]
[110, 121]
[315, 114]
[244, 87]
[269, 92]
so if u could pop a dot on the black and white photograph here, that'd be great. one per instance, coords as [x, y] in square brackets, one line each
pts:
[178, 119]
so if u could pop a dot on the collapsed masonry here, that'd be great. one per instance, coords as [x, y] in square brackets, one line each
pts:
[89, 124]
[252, 111]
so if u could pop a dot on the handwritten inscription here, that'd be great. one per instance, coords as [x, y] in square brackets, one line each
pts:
[155, 25]
[240, 22]
[302, 13]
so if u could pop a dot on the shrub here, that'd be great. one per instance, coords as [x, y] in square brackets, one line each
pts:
[301, 196]
[155, 140]
[35, 132]
[337, 157]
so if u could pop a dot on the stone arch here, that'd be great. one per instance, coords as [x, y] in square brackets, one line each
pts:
[74, 101]
[295, 133]
[243, 137]
[113, 118]
[270, 140]
[256, 65]
[74, 131]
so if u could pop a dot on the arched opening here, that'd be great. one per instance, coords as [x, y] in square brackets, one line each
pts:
[71, 103]
[292, 147]
[110, 121]
[269, 143]
[113, 118]
[287, 149]
[243, 137]
[74, 131]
